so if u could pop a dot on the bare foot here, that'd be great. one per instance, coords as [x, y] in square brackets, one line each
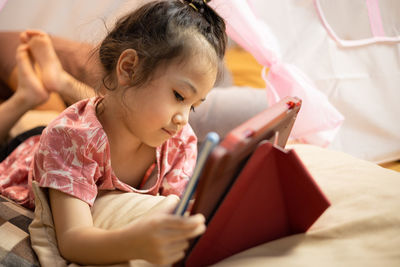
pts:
[30, 88]
[42, 50]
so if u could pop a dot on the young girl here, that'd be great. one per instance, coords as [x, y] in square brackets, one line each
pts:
[160, 62]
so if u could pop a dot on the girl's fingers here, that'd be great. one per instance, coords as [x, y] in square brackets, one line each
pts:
[178, 246]
[197, 231]
[175, 257]
[191, 221]
[175, 251]
[178, 230]
[175, 222]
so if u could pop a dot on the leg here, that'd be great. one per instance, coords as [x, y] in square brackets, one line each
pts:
[53, 75]
[41, 48]
[9, 42]
[29, 94]
[74, 57]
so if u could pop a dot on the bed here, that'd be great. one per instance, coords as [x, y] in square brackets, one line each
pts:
[361, 228]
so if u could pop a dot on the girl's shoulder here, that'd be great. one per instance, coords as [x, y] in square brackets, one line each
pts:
[78, 121]
[80, 114]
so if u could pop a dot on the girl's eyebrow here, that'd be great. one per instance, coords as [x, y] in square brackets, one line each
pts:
[192, 88]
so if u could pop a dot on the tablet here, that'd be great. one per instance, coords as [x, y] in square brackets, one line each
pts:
[209, 143]
[227, 159]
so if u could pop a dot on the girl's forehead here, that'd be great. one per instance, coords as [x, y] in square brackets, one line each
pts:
[195, 64]
[200, 74]
[194, 68]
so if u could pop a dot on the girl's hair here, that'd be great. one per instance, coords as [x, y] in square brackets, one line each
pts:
[160, 31]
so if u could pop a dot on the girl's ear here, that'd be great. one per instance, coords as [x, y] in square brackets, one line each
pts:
[126, 65]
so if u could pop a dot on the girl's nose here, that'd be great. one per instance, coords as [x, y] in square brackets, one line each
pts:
[181, 118]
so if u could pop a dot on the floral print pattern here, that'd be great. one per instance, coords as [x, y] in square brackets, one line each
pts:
[73, 155]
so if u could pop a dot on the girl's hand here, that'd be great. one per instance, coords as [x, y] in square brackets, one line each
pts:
[162, 238]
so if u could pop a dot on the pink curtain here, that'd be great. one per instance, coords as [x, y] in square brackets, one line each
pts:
[318, 120]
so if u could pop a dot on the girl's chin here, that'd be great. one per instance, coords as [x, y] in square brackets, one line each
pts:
[156, 143]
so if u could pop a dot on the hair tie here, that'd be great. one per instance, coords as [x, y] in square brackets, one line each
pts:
[193, 6]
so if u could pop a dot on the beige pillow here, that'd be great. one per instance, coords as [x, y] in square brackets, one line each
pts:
[130, 206]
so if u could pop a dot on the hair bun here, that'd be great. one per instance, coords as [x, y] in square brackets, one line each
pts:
[197, 5]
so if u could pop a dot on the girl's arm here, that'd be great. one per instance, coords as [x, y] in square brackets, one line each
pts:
[158, 238]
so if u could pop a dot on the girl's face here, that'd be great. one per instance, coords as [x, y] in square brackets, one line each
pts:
[157, 111]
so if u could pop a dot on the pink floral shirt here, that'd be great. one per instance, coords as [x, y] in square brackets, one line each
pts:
[73, 156]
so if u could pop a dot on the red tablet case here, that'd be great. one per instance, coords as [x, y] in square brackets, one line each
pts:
[274, 196]
[229, 157]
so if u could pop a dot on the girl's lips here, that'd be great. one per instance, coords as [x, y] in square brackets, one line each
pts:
[171, 133]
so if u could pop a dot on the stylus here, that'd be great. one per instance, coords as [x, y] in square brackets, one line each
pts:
[210, 142]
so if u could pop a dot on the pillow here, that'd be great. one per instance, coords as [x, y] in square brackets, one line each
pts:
[43, 236]
[129, 206]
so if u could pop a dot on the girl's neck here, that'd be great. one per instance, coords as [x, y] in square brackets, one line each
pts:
[118, 136]
[130, 157]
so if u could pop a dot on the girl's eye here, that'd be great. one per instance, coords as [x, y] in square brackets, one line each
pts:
[178, 96]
